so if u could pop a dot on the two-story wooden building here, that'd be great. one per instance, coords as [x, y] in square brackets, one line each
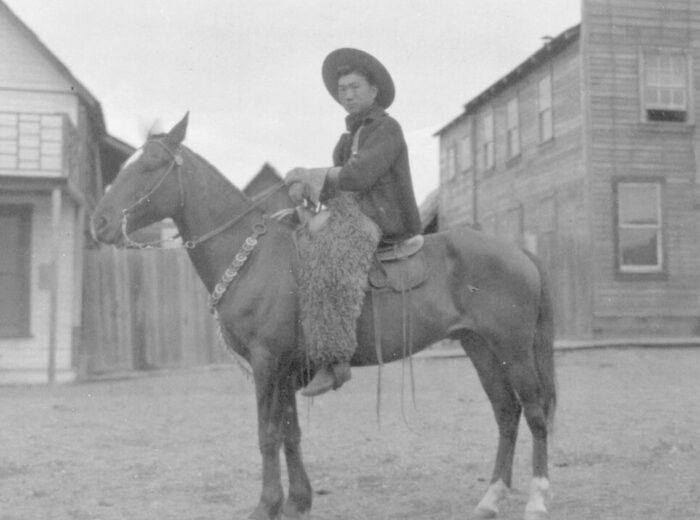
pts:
[55, 155]
[587, 153]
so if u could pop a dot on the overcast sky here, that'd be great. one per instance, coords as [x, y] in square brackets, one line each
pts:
[249, 71]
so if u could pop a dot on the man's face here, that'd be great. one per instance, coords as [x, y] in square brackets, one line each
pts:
[355, 93]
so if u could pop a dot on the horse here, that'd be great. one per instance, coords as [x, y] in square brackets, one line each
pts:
[488, 294]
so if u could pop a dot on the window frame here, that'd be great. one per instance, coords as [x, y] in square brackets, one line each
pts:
[513, 130]
[631, 272]
[31, 141]
[688, 86]
[545, 111]
[466, 155]
[487, 142]
[450, 162]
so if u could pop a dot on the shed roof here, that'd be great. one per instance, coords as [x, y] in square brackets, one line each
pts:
[549, 49]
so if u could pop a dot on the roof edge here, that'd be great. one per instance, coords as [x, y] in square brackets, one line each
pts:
[549, 49]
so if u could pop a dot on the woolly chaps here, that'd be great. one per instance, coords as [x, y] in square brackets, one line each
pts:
[334, 263]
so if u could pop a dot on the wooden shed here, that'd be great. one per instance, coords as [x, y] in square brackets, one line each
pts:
[587, 153]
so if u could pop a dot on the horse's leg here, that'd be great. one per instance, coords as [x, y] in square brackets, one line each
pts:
[525, 381]
[269, 438]
[298, 502]
[507, 410]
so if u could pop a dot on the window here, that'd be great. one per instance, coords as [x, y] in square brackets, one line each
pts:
[465, 151]
[31, 142]
[15, 261]
[545, 108]
[449, 162]
[486, 161]
[639, 227]
[665, 86]
[513, 128]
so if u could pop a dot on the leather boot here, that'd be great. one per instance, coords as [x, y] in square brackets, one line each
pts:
[330, 377]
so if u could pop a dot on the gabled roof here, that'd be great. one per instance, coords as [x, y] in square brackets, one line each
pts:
[548, 50]
[81, 90]
[266, 177]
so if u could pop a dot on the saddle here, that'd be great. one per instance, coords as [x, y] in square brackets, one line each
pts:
[399, 267]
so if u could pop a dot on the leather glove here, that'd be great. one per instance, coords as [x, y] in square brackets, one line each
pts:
[299, 192]
[306, 183]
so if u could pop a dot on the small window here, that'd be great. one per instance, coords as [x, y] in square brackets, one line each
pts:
[486, 159]
[513, 130]
[639, 233]
[545, 108]
[665, 86]
[466, 160]
[449, 162]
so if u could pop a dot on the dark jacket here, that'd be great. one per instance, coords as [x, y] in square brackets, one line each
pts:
[379, 172]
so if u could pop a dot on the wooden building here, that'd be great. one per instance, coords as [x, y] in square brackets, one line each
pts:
[55, 156]
[587, 153]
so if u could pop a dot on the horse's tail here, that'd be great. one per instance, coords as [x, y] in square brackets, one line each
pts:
[544, 343]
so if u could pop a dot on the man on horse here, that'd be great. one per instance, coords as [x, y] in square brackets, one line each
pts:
[370, 161]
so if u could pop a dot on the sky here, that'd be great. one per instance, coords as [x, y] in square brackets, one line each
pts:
[249, 72]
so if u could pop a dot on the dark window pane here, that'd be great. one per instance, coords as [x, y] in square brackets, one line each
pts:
[671, 116]
[638, 247]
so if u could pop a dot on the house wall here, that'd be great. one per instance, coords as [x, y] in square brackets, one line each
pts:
[31, 82]
[623, 145]
[27, 359]
[539, 197]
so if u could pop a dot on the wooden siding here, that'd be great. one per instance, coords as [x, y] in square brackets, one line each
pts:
[615, 33]
[539, 196]
[39, 102]
[143, 310]
[23, 66]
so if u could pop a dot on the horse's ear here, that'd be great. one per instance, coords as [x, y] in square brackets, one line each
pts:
[178, 132]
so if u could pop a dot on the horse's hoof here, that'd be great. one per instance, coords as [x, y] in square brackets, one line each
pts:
[300, 516]
[261, 515]
[483, 513]
[536, 515]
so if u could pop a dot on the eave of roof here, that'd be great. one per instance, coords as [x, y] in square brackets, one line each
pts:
[548, 50]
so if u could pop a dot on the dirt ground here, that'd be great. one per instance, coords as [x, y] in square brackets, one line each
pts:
[182, 445]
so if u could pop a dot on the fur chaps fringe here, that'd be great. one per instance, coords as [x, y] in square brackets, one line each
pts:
[335, 261]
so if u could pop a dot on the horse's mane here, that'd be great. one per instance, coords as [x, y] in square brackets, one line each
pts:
[201, 159]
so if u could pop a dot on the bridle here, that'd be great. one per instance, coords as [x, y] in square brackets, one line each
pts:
[176, 166]
[232, 271]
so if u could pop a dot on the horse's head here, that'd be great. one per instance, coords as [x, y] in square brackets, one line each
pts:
[147, 189]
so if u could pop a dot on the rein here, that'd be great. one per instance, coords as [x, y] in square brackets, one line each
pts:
[176, 165]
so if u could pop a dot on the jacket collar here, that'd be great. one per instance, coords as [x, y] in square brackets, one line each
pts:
[354, 121]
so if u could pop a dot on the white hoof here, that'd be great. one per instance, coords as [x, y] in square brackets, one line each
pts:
[536, 515]
[539, 494]
[488, 507]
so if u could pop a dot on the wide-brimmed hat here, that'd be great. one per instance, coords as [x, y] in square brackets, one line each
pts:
[347, 57]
